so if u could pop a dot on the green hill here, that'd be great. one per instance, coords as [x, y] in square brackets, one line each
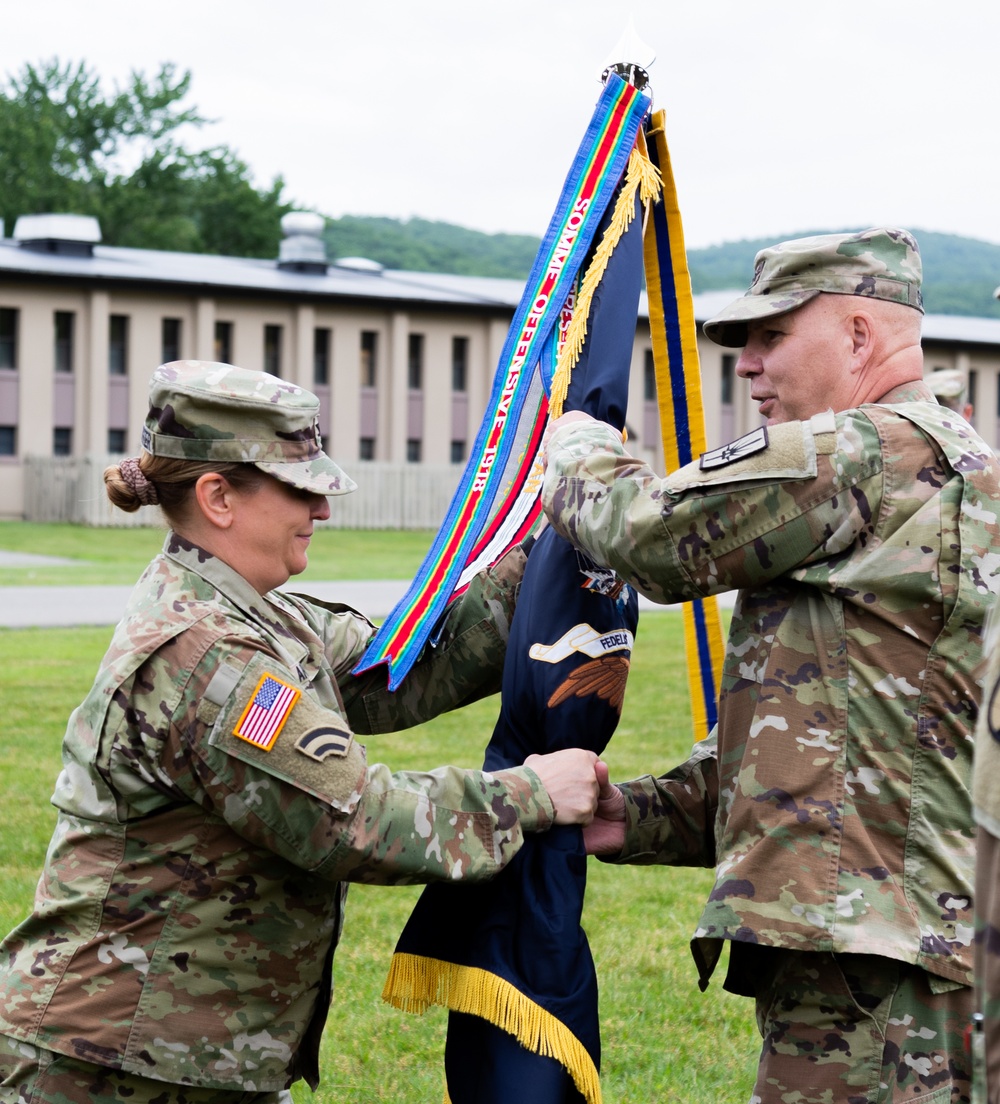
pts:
[418, 245]
[960, 274]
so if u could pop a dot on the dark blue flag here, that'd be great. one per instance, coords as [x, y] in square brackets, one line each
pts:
[509, 958]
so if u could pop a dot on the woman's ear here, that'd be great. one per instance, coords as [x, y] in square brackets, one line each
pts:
[214, 496]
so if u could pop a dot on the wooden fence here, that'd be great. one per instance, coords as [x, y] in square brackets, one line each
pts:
[389, 496]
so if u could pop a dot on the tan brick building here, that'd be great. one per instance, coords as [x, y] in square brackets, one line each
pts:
[402, 361]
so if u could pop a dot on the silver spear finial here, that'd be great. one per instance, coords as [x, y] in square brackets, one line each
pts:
[630, 59]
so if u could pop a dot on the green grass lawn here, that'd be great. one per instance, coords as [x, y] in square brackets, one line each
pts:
[663, 1040]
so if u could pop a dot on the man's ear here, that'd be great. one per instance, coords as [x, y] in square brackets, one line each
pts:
[862, 330]
[214, 496]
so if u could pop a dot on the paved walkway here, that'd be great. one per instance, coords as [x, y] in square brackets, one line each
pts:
[62, 606]
[30, 559]
[53, 606]
[23, 607]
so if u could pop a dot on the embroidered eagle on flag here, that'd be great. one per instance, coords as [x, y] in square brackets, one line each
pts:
[604, 677]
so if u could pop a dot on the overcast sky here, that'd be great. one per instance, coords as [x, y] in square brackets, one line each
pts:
[781, 116]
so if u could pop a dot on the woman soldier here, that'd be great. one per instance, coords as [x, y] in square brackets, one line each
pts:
[214, 801]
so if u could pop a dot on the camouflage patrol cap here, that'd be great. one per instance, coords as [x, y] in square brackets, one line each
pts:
[881, 263]
[204, 411]
[948, 384]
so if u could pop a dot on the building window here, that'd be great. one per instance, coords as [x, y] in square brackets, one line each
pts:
[415, 362]
[413, 451]
[170, 340]
[321, 356]
[62, 441]
[64, 325]
[366, 448]
[649, 377]
[118, 345]
[8, 339]
[224, 342]
[458, 452]
[8, 440]
[116, 440]
[272, 350]
[459, 363]
[973, 387]
[369, 358]
[728, 378]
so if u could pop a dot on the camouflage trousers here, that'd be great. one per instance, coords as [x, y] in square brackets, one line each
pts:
[858, 1029]
[31, 1075]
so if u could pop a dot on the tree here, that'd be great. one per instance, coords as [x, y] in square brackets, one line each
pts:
[67, 146]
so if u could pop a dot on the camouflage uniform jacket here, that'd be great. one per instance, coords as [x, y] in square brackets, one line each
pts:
[192, 895]
[833, 796]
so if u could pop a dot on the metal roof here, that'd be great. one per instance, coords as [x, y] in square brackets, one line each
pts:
[247, 275]
[961, 328]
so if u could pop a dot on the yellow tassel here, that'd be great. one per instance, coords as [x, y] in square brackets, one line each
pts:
[643, 178]
[415, 983]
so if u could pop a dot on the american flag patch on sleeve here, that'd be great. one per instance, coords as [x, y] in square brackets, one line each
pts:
[268, 710]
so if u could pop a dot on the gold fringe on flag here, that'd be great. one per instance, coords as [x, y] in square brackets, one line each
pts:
[642, 177]
[415, 983]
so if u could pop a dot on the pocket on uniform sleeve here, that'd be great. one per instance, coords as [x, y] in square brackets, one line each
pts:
[270, 721]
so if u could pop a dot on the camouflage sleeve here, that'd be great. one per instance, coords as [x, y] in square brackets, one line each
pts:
[987, 944]
[286, 774]
[809, 491]
[464, 665]
[986, 808]
[671, 819]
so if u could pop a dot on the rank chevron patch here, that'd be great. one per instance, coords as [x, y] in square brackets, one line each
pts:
[321, 743]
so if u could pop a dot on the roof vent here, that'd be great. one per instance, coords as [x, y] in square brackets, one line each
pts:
[360, 264]
[302, 249]
[67, 235]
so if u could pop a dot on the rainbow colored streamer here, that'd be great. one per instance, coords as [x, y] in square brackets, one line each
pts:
[518, 406]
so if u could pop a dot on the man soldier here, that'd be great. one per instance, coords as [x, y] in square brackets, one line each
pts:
[859, 526]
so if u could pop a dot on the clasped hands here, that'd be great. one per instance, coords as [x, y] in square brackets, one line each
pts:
[579, 788]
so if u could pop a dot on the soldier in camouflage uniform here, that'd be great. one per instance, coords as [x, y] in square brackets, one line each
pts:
[214, 800]
[986, 804]
[860, 528]
[949, 387]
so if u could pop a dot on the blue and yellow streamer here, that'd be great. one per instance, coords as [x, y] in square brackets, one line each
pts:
[682, 414]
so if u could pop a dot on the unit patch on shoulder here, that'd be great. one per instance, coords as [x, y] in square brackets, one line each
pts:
[750, 443]
[320, 743]
[266, 712]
